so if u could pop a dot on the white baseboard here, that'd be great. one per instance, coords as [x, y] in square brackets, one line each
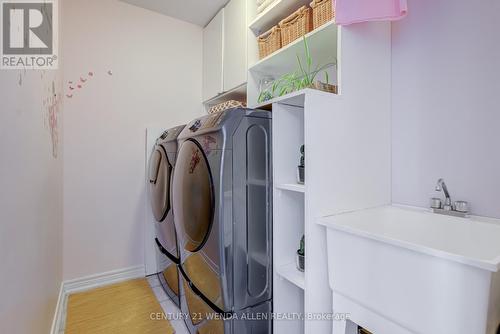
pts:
[88, 283]
[58, 313]
[98, 280]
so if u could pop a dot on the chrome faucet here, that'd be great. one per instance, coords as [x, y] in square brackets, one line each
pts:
[459, 208]
[441, 186]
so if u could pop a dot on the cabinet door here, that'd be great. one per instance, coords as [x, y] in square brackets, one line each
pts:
[235, 44]
[212, 57]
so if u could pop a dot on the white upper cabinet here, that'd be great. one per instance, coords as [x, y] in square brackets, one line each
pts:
[235, 44]
[225, 51]
[212, 57]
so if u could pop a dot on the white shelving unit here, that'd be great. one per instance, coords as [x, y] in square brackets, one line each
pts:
[342, 134]
[288, 215]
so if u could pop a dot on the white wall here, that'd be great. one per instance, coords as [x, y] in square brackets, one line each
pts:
[30, 201]
[156, 65]
[446, 118]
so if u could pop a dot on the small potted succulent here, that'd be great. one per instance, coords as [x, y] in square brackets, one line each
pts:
[301, 253]
[302, 166]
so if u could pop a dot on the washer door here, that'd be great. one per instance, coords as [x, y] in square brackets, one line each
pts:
[194, 198]
[159, 183]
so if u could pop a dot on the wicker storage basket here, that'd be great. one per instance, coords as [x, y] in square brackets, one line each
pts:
[226, 105]
[323, 12]
[269, 42]
[296, 25]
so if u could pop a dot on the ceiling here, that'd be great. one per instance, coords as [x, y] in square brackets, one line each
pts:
[199, 12]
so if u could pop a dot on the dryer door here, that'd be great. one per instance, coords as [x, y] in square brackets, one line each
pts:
[159, 183]
[193, 207]
[194, 201]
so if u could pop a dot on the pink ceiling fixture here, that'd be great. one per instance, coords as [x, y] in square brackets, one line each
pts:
[357, 11]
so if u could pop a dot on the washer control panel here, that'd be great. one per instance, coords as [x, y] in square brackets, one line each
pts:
[195, 126]
[171, 134]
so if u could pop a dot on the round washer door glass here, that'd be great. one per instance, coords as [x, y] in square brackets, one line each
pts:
[159, 183]
[193, 200]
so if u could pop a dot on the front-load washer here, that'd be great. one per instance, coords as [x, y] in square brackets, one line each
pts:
[223, 215]
[161, 167]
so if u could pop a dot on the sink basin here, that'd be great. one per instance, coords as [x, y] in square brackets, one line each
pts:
[400, 270]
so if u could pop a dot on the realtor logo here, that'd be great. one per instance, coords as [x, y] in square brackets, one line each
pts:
[29, 34]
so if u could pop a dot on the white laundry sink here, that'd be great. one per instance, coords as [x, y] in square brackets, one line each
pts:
[400, 270]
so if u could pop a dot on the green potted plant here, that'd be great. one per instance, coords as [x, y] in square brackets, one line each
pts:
[301, 254]
[307, 76]
[302, 166]
[303, 77]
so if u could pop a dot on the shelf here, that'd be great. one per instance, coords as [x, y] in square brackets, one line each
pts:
[276, 12]
[293, 275]
[300, 188]
[295, 99]
[322, 44]
[239, 94]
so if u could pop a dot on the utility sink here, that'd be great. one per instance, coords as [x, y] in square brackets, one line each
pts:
[398, 270]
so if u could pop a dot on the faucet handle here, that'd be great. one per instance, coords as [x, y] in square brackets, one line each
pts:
[435, 203]
[461, 206]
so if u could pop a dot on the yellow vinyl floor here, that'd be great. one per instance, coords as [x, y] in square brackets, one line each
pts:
[124, 308]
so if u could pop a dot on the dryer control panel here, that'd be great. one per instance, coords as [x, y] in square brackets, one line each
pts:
[207, 122]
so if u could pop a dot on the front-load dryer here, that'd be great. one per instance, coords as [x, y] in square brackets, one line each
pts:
[161, 167]
[223, 213]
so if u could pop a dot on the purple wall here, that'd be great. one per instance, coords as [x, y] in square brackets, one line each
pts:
[445, 104]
